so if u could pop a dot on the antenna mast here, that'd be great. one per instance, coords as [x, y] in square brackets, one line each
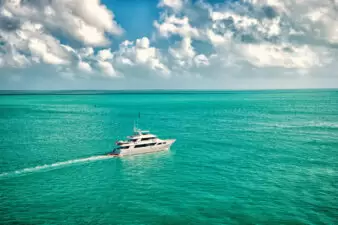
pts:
[136, 125]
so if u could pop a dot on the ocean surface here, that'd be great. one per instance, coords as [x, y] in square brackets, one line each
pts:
[241, 157]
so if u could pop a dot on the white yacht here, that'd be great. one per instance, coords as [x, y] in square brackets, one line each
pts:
[141, 142]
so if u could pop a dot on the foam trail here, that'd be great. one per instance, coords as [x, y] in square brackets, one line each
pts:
[54, 165]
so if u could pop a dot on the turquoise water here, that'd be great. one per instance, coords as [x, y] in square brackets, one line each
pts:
[259, 157]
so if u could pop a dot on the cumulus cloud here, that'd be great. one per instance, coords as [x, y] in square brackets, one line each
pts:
[86, 52]
[32, 42]
[86, 21]
[173, 4]
[27, 31]
[141, 54]
[282, 34]
[185, 49]
[173, 25]
[40, 49]
[201, 60]
[84, 66]
[183, 54]
[194, 38]
[107, 68]
[105, 54]
[10, 57]
[269, 55]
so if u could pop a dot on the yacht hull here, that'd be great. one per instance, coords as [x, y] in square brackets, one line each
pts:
[145, 150]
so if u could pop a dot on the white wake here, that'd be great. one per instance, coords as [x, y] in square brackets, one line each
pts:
[54, 165]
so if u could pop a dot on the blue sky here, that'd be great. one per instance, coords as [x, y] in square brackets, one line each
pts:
[168, 44]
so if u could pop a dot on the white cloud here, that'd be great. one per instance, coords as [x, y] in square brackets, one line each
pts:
[84, 66]
[138, 55]
[141, 55]
[173, 25]
[258, 33]
[240, 21]
[184, 53]
[174, 4]
[31, 40]
[269, 55]
[6, 13]
[125, 61]
[40, 49]
[107, 68]
[218, 39]
[317, 18]
[201, 60]
[25, 33]
[142, 43]
[202, 39]
[105, 54]
[12, 58]
[86, 21]
[86, 52]
[233, 24]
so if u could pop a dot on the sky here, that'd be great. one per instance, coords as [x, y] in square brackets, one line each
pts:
[168, 44]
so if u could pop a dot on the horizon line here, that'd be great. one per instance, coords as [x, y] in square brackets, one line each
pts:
[3, 91]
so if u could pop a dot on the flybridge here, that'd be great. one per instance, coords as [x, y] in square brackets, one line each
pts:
[138, 136]
[141, 132]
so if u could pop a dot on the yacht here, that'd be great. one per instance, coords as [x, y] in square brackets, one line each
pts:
[141, 142]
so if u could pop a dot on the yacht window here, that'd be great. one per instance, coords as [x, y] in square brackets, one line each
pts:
[124, 147]
[146, 139]
[144, 145]
[133, 139]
